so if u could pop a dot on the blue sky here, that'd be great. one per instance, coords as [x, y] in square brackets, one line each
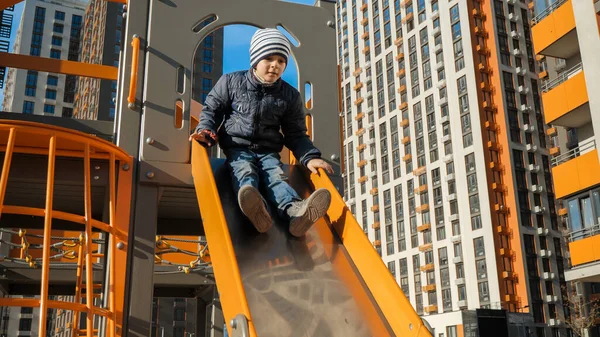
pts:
[235, 51]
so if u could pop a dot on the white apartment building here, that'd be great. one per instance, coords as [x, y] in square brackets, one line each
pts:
[49, 29]
[446, 161]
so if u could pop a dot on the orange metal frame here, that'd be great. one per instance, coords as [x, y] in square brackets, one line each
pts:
[58, 66]
[135, 44]
[27, 137]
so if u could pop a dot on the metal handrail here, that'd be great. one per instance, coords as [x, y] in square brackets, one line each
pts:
[583, 233]
[573, 153]
[536, 19]
[561, 78]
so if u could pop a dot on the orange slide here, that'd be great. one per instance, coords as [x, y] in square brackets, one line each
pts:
[330, 283]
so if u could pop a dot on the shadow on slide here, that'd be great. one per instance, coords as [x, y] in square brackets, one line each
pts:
[330, 283]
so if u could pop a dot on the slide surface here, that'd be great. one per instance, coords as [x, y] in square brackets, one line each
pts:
[330, 283]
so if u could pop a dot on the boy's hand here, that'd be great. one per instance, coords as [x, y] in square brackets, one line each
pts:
[205, 137]
[318, 163]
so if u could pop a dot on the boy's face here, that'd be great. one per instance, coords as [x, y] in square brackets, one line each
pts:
[271, 68]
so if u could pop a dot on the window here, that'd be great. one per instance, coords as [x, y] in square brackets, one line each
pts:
[28, 107]
[208, 41]
[49, 108]
[470, 162]
[208, 55]
[481, 269]
[476, 222]
[68, 112]
[451, 331]
[484, 293]
[479, 247]
[443, 256]
[56, 41]
[50, 94]
[55, 53]
[179, 314]
[392, 268]
[25, 324]
[31, 83]
[58, 28]
[52, 80]
[207, 67]
[58, 15]
[206, 84]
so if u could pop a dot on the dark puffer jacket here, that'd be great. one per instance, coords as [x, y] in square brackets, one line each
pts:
[257, 117]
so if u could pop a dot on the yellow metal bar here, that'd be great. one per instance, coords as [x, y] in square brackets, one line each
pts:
[72, 136]
[47, 236]
[6, 166]
[122, 214]
[59, 153]
[58, 66]
[233, 296]
[113, 246]
[63, 216]
[395, 307]
[89, 281]
[135, 44]
[34, 302]
[75, 330]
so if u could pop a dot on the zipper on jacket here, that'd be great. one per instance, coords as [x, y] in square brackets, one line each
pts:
[258, 114]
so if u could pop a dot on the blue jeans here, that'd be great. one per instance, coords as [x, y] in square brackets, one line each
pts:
[264, 172]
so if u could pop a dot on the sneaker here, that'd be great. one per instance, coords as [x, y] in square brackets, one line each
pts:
[253, 206]
[305, 213]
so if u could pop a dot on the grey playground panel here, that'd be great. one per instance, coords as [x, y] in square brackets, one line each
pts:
[172, 43]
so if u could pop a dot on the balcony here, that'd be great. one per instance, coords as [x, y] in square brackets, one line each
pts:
[565, 99]
[584, 245]
[423, 227]
[428, 288]
[422, 208]
[420, 171]
[576, 170]
[426, 247]
[428, 267]
[431, 309]
[421, 189]
[554, 31]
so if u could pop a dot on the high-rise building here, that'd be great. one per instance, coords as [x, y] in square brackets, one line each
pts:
[566, 40]
[101, 37]
[208, 64]
[51, 30]
[446, 160]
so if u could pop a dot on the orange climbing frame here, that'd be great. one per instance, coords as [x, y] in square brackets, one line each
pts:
[32, 138]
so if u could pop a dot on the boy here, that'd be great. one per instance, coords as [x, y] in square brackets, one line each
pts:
[254, 106]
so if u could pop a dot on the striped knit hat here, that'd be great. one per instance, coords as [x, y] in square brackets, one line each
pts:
[267, 42]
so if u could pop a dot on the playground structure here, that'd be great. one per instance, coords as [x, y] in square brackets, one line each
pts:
[121, 222]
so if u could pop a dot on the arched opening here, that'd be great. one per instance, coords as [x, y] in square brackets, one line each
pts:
[227, 50]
